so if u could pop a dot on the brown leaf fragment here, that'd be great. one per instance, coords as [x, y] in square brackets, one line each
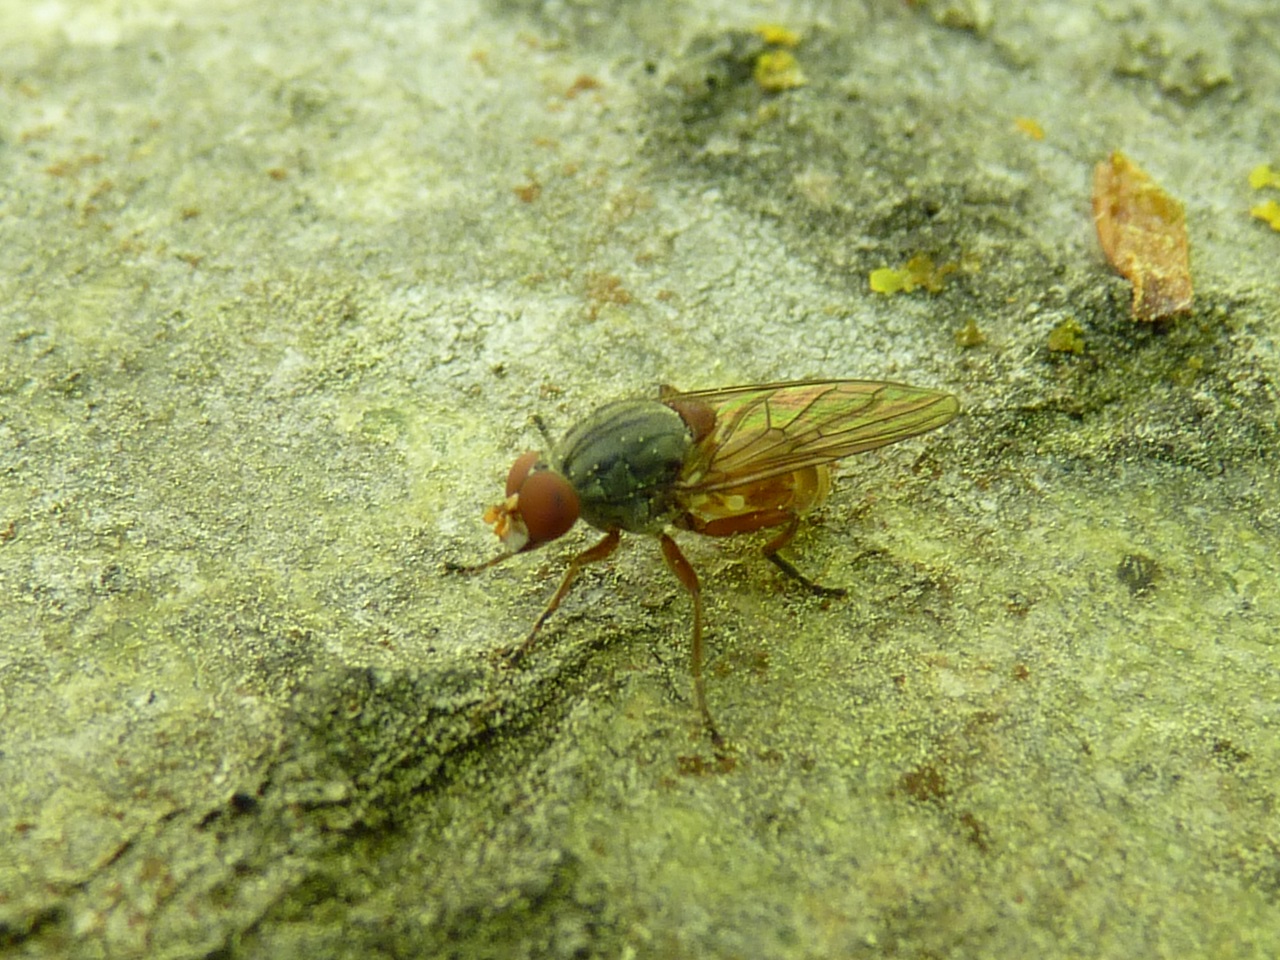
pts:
[1143, 232]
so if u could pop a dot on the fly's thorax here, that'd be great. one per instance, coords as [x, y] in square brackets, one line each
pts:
[623, 461]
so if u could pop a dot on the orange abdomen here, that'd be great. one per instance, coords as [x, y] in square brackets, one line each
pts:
[753, 506]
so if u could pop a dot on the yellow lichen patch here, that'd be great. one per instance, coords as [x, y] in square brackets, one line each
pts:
[887, 280]
[778, 70]
[1268, 213]
[1067, 337]
[1030, 127]
[1143, 232]
[1264, 176]
[919, 271]
[776, 35]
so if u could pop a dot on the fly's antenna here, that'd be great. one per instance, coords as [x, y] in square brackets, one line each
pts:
[541, 424]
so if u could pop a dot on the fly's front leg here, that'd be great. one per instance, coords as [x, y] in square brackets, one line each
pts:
[689, 578]
[781, 540]
[591, 555]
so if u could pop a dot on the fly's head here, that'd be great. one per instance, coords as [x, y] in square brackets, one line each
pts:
[540, 505]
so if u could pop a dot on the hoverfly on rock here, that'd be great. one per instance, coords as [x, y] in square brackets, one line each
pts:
[717, 462]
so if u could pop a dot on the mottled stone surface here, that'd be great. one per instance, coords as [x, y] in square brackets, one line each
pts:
[280, 286]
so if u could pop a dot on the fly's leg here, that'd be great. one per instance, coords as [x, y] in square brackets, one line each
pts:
[781, 540]
[591, 555]
[453, 566]
[688, 577]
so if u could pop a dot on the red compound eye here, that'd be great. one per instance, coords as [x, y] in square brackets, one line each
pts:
[547, 504]
[520, 469]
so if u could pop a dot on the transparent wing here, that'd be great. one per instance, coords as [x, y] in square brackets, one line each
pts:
[764, 430]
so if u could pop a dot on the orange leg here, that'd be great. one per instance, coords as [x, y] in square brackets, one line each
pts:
[781, 540]
[689, 578]
[591, 555]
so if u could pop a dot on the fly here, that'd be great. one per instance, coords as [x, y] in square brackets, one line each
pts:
[717, 462]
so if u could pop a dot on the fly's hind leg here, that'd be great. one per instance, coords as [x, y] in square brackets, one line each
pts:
[781, 540]
[592, 554]
[688, 577]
